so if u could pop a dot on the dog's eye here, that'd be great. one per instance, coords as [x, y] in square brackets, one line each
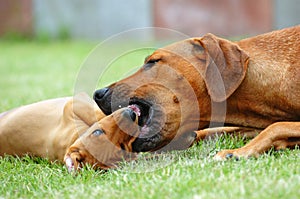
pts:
[150, 63]
[98, 132]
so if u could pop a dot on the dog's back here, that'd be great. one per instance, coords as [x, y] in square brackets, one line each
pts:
[274, 70]
[282, 46]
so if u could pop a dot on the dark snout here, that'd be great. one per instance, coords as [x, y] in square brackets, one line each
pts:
[102, 98]
[112, 98]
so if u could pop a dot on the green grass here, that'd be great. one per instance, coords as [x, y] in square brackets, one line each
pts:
[33, 71]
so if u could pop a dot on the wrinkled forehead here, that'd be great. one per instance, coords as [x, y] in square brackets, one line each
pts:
[181, 48]
[111, 123]
[117, 125]
[102, 131]
[95, 126]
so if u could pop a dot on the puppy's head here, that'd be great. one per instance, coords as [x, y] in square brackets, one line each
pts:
[106, 142]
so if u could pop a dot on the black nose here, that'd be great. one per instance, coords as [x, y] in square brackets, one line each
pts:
[103, 99]
[100, 93]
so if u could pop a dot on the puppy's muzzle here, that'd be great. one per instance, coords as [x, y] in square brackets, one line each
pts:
[129, 113]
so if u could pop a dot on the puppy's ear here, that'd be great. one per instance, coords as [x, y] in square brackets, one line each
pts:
[84, 108]
[223, 67]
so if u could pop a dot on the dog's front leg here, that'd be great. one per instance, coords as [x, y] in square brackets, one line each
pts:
[279, 135]
[232, 130]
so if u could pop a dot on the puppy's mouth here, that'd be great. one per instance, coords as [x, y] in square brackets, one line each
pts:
[144, 111]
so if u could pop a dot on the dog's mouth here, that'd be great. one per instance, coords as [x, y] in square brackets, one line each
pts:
[144, 111]
[149, 123]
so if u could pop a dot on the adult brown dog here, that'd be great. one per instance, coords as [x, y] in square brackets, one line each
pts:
[71, 129]
[208, 81]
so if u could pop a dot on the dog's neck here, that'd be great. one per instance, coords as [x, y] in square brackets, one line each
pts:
[257, 105]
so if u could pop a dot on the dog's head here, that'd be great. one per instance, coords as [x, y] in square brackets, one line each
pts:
[106, 142]
[175, 88]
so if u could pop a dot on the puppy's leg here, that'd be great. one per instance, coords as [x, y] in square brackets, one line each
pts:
[280, 135]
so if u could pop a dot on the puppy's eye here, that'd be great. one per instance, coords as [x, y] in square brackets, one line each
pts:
[98, 132]
[150, 63]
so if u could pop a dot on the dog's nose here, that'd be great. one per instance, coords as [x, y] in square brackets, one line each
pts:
[103, 99]
[100, 93]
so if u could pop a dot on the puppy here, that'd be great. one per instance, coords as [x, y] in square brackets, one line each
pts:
[71, 130]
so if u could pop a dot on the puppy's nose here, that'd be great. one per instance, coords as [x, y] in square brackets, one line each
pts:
[130, 113]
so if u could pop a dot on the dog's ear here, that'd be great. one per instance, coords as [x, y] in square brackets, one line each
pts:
[224, 65]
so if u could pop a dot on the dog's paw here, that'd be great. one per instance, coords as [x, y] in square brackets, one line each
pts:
[235, 154]
[226, 155]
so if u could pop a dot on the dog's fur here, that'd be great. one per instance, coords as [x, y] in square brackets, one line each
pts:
[203, 82]
[71, 129]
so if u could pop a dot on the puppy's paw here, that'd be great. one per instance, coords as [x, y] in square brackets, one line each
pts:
[73, 161]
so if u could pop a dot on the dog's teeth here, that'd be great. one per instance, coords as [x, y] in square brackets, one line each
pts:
[136, 109]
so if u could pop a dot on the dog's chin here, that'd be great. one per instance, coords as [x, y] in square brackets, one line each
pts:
[157, 143]
[147, 144]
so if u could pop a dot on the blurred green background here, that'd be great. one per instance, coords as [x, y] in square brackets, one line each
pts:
[46, 45]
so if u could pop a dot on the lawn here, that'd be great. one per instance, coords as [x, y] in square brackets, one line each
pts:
[31, 71]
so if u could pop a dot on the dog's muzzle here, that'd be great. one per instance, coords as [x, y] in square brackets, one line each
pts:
[110, 99]
[102, 98]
